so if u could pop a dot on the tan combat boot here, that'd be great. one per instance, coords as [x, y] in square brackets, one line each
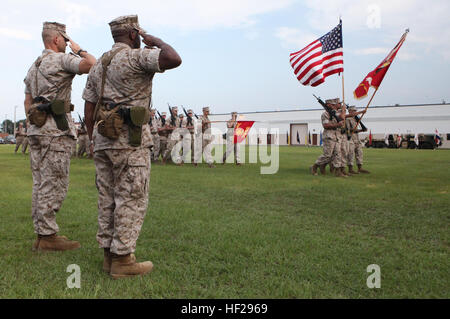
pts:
[361, 170]
[38, 239]
[322, 169]
[351, 171]
[55, 243]
[344, 172]
[107, 260]
[126, 266]
[313, 169]
[339, 173]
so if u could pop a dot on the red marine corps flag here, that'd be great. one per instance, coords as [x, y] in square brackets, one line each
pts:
[375, 77]
[241, 130]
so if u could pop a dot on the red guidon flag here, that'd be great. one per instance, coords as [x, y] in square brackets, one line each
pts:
[374, 78]
[241, 130]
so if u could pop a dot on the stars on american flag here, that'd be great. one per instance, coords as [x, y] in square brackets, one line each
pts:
[332, 40]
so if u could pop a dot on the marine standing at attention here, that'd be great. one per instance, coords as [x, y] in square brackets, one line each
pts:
[118, 94]
[48, 87]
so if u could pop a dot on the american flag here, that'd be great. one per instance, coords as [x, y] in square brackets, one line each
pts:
[320, 58]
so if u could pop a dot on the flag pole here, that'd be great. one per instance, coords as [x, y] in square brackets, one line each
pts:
[365, 110]
[343, 91]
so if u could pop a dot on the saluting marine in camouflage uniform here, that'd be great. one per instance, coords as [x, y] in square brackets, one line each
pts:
[231, 146]
[331, 147]
[117, 95]
[155, 125]
[20, 135]
[207, 137]
[51, 133]
[355, 147]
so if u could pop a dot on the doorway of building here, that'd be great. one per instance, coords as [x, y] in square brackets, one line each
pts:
[299, 134]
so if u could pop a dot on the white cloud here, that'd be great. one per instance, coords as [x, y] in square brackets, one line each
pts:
[428, 21]
[403, 54]
[15, 34]
[369, 51]
[251, 35]
[293, 38]
[178, 14]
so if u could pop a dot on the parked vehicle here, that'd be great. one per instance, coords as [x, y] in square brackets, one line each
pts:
[10, 139]
[2, 141]
[426, 141]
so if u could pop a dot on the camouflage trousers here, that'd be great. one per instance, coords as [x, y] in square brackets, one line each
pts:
[207, 148]
[50, 162]
[162, 146]
[19, 141]
[156, 147]
[331, 153]
[122, 179]
[171, 141]
[343, 142]
[83, 145]
[74, 148]
[24, 145]
[232, 147]
[355, 149]
[196, 148]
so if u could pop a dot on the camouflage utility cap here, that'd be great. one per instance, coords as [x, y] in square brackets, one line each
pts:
[61, 28]
[352, 108]
[190, 111]
[206, 108]
[333, 101]
[124, 24]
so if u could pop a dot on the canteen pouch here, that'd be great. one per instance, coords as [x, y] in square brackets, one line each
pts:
[109, 123]
[37, 117]
[138, 116]
[58, 109]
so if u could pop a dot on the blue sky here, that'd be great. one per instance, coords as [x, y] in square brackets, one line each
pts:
[236, 53]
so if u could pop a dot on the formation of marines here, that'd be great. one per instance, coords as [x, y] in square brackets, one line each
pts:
[340, 141]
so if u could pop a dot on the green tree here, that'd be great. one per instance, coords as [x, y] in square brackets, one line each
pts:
[8, 126]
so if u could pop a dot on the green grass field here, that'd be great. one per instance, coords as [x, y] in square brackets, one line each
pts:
[230, 232]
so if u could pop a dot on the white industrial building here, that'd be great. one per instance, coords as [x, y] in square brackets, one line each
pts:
[306, 124]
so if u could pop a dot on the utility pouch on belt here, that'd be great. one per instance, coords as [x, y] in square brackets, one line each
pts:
[138, 116]
[110, 122]
[37, 115]
[58, 110]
